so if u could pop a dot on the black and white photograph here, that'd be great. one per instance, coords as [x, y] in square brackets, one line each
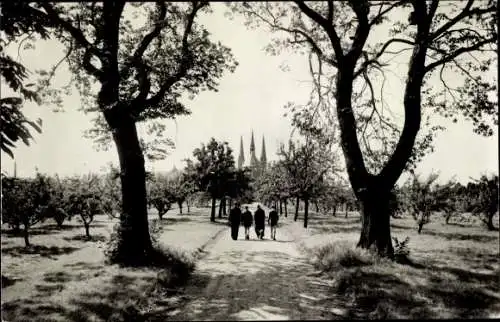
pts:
[260, 160]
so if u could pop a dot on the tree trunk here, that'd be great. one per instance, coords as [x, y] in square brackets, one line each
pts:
[296, 209]
[224, 210]
[87, 230]
[346, 210]
[188, 204]
[212, 214]
[490, 221]
[281, 207]
[26, 236]
[180, 207]
[134, 241]
[286, 207]
[230, 204]
[335, 211]
[306, 211]
[375, 221]
[160, 214]
[448, 217]
[420, 226]
[316, 205]
[221, 205]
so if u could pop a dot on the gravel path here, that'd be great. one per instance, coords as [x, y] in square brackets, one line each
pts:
[253, 280]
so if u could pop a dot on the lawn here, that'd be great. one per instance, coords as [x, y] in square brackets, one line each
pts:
[63, 277]
[453, 270]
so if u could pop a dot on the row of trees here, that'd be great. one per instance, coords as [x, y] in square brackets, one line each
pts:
[129, 75]
[423, 197]
[28, 201]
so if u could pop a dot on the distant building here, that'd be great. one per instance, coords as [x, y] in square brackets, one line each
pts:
[257, 166]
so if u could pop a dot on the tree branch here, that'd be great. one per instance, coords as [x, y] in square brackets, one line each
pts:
[185, 60]
[329, 28]
[79, 37]
[458, 52]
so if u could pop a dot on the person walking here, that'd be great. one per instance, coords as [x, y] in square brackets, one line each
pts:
[273, 221]
[247, 219]
[260, 222]
[234, 220]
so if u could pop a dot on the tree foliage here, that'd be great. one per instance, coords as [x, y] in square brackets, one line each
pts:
[451, 46]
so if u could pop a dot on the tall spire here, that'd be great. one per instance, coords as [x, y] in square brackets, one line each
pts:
[253, 159]
[241, 158]
[263, 157]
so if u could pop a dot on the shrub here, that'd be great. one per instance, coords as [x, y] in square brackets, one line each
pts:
[331, 256]
[401, 249]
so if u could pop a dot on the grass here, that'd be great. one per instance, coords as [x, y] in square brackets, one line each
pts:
[64, 276]
[452, 272]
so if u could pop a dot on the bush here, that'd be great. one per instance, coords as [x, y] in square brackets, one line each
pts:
[340, 254]
[401, 250]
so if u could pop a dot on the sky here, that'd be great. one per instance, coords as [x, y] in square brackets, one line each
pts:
[251, 98]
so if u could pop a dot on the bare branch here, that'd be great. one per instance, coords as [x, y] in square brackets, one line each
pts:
[381, 12]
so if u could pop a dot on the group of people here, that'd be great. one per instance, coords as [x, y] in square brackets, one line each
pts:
[236, 218]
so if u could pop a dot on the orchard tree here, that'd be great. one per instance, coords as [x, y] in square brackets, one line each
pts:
[131, 63]
[484, 194]
[24, 201]
[349, 68]
[214, 163]
[161, 195]
[84, 199]
[306, 165]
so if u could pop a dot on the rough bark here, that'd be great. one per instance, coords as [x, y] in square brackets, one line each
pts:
[134, 241]
[375, 221]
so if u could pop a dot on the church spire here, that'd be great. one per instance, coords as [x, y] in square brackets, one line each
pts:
[253, 159]
[263, 157]
[241, 158]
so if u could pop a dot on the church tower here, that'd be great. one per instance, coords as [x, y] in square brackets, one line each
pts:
[263, 157]
[254, 163]
[241, 158]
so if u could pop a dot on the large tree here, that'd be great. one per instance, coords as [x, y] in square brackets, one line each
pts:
[133, 66]
[441, 38]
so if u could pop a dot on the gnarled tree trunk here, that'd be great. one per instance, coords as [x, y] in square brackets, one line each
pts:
[375, 221]
[134, 241]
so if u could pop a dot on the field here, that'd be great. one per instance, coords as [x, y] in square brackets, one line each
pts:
[64, 277]
[452, 271]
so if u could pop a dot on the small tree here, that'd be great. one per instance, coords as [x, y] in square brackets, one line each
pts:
[485, 199]
[161, 195]
[421, 198]
[84, 198]
[23, 202]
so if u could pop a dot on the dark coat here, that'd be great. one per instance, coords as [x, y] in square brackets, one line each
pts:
[235, 216]
[260, 218]
[273, 217]
[247, 219]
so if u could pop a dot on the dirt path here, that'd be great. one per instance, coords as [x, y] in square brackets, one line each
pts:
[254, 280]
